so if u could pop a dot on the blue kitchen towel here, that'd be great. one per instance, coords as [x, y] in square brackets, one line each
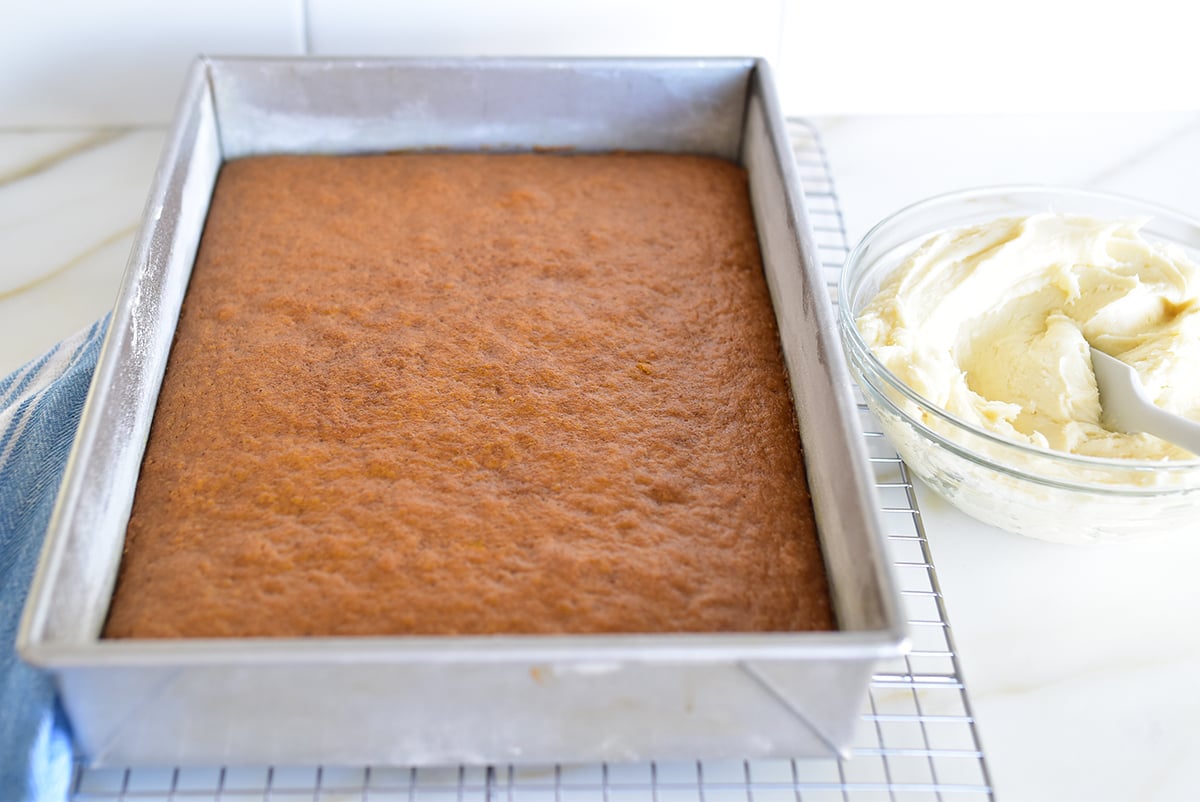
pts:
[39, 412]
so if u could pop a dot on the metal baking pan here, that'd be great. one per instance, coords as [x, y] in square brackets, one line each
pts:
[430, 700]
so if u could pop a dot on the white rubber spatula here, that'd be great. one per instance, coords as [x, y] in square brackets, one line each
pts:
[1126, 407]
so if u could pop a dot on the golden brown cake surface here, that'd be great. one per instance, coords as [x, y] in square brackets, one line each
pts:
[473, 393]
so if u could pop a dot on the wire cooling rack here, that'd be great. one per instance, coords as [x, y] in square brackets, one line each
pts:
[916, 740]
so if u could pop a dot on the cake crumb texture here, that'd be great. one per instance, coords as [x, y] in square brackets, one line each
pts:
[435, 393]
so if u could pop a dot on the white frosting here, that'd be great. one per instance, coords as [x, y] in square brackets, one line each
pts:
[992, 323]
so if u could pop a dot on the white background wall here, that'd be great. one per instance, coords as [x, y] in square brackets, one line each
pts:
[120, 62]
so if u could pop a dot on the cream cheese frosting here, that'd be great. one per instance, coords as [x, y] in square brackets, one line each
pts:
[993, 322]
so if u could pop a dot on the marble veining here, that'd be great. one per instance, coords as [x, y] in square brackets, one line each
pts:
[70, 202]
[29, 153]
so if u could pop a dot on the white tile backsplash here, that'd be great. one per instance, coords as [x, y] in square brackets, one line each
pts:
[951, 56]
[546, 27]
[122, 62]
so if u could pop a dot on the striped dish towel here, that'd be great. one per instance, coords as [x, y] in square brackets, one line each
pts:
[39, 411]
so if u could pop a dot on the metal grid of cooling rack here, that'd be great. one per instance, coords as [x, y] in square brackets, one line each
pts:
[916, 740]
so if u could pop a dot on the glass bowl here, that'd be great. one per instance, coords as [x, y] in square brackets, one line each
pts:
[1021, 488]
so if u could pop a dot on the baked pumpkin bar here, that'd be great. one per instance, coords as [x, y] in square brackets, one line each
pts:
[447, 393]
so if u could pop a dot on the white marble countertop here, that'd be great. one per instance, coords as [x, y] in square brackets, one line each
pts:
[1081, 662]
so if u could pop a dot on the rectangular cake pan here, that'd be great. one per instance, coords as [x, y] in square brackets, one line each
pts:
[447, 700]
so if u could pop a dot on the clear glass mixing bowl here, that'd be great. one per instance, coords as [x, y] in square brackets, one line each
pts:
[1017, 487]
